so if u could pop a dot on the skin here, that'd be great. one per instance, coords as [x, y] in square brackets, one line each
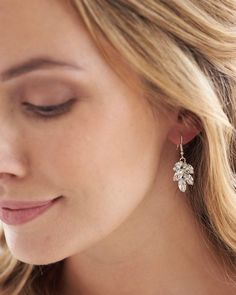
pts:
[122, 226]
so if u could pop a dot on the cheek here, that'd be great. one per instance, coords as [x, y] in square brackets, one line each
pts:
[105, 166]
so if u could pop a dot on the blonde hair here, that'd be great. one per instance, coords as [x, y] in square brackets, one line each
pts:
[185, 55]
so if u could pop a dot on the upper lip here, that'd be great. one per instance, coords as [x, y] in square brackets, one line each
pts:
[22, 204]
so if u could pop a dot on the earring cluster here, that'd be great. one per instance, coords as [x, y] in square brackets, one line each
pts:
[183, 170]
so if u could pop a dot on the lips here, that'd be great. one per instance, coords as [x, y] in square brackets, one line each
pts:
[16, 213]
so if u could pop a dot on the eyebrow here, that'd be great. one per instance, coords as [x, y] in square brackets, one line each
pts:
[33, 64]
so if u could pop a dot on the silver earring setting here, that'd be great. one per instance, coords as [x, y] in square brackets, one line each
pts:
[183, 170]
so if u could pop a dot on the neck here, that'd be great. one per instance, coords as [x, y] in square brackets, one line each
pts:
[160, 247]
[153, 258]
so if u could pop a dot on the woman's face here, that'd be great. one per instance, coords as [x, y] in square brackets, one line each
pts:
[101, 153]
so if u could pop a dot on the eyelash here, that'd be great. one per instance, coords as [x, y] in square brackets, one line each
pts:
[51, 111]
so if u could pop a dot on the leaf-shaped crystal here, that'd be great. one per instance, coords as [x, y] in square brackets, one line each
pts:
[189, 169]
[178, 165]
[178, 175]
[182, 185]
[188, 178]
[184, 166]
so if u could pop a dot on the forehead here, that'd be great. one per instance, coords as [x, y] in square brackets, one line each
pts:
[52, 28]
[37, 27]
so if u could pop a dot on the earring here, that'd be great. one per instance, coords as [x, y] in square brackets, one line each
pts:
[183, 170]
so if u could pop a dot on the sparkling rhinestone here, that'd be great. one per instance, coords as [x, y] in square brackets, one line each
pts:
[189, 179]
[189, 169]
[182, 185]
[178, 165]
[178, 175]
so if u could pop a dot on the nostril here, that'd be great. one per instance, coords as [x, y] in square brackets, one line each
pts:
[7, 175]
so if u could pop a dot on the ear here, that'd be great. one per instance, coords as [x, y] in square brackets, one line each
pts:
[187, 125]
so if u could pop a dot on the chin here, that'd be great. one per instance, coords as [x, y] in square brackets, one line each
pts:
[28, 252]
[34, 261]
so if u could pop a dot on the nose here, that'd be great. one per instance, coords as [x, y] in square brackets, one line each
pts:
[10, 167]
[11, 170]
[12, 164]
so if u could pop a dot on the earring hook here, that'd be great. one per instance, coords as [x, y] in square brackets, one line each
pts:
[181, 143]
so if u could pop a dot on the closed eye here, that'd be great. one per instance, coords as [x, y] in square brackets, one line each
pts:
[50, 110]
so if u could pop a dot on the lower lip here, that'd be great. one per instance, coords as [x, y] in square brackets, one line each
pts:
[20, 216]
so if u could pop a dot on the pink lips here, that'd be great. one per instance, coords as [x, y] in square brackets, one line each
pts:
[14, 213]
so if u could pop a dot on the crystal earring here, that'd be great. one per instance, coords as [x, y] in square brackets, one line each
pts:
[183, 170]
